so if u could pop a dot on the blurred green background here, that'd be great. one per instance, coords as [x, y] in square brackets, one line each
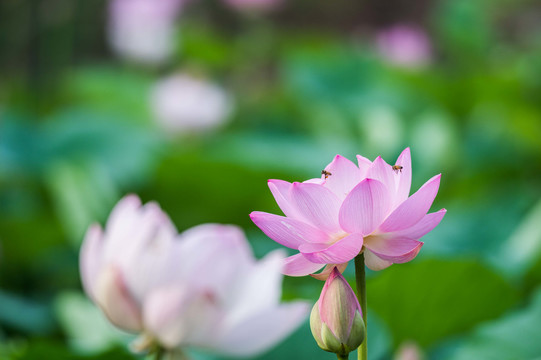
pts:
[283, 87]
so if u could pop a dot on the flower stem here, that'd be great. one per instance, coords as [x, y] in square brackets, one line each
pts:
[160, 352]
[342, 357]
[360, 281]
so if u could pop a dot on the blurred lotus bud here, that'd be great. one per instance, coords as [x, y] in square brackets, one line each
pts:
[405, 46]
[201, 288]
[143, 30]
[254, 5]
[336, 320]
[184, 104]
[409, 350]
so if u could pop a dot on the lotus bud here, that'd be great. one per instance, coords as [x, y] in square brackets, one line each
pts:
[336, 320]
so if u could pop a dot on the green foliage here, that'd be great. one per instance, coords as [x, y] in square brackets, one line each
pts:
[427, 301]
[37, 349]
[97, 334]
[514, 336]
[25, 315]
[110, 90]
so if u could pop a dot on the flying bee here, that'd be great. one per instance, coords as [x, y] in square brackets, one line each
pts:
[326, 173]
[397, 168]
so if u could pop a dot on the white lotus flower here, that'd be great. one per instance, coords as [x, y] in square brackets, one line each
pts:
[184, 104]
[143, 30]
[202, 288]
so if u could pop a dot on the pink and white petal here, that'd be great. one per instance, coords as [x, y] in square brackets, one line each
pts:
[90, 259]
[323, 275]
[365, 207]
[395, 250]
[341, 251]
[364, 165]
[247, 296]
[281, 191]
[164, 263]
[210, 237]
[114, 298]
[298, 265]
[423, 227]
[344, 176]
[150, 221]
[261, 331]
[318, 181]
[380, 170]
[120, 226]
[403, 177]
[154, 264]
[373, 262]
[318, 205]
[161, 306]
[286, 231]
[179, 318]
[132, 227]
[413, 209]
[404, 258]
[123, 212]
[223, 246]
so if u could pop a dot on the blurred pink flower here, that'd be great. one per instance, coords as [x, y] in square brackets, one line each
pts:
[351, 208]
[336, 320]
[405, 45]
[181, 103]
[202, 288]
[143, 30]
[409, 350]
[257, 5]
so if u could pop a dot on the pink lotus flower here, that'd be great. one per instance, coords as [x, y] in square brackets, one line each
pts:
[409, 350]
[202, 288]
[185, 104]
[336, 320]
[405, 45]
[352, 208]
[143, 30]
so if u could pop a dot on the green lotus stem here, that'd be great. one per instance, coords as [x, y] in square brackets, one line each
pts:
[160, 353]
[360, 281]
[173, 354]
[342, 357]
